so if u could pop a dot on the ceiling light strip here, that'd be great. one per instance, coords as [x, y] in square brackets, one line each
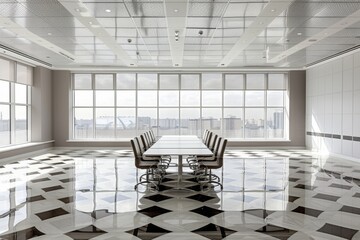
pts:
[272, 10]
[176, 28]
[22, 32]
[338, 26]
[80, 11]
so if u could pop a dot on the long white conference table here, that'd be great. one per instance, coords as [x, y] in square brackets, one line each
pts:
[180, 146]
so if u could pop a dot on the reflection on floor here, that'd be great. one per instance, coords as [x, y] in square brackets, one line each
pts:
[88, 194]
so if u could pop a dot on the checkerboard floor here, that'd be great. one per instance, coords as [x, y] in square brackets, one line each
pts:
[268, 194]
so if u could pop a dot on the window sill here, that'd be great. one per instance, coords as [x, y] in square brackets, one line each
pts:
[24, 145]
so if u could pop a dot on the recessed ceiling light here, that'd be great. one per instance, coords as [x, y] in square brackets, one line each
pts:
[90, 23]
[77, 9]
[108, 10]
[273, 10]
[49, 34]
[299, 33]
[176, 10]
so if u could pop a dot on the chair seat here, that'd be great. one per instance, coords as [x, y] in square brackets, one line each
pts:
[147, 164]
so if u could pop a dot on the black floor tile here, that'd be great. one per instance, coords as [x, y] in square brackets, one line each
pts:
[86, 233]
[308, 211]
[206, 211]
[154, 211]
[338, 231]
[326, 197]
[51, 213]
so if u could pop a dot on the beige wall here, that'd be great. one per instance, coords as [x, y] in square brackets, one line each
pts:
[61, 109]
[41, 122]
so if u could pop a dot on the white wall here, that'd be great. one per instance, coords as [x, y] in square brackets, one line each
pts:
[333, 107]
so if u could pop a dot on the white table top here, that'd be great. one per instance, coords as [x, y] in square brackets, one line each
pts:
[178, 151]
[178, 145]
[177, 137]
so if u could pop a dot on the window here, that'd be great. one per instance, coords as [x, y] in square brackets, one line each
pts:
[245, 106]
[15, 93]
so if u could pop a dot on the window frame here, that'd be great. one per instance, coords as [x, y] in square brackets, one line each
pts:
[223, 89]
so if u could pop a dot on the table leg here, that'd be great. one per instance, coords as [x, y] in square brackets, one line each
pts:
[180, 169]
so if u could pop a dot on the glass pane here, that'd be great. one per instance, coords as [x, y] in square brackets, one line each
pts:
[254, 98]
[168, 98]
[275, 122]
[147, 81]
[5, 69]
[20, 93]
[126, 81]
[190, 98]
[83, 98]
[190, 81]
[254, 122]
[168, 121]
[212, 81]
[233, 98]
[147, 119]
[234, 81]
[211, 119]
[105, 122]
[104, 98]
[104, 81]
[276, 81]
[190, 121]
[4, 125]
[233, 122]
[147, 98]
[20, 124]
[126, 98]
[82, 81]
[275, 98]
[255, 81]
[83, 123]
[211, 98]
[126, 122]
[4, 91]
[169, 81]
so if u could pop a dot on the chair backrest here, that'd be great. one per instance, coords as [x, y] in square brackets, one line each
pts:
[141, 145]
[148, 138]
[136, 150]
[220, 152]
[145, 142]
[152, 135]
[216, 146]
[204, 135]
[212, 142]
[208, 139]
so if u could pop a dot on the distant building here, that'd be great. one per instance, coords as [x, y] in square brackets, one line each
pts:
[278, 120]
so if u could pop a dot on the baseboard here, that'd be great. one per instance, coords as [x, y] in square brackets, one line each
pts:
[19, 150]
[335, 155]
[24, 155]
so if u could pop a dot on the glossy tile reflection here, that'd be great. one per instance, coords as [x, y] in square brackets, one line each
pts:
[85, 194]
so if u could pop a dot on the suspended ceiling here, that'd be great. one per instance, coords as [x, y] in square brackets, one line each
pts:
[178, 33]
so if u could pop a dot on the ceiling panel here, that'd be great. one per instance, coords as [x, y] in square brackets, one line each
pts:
[212, 28]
